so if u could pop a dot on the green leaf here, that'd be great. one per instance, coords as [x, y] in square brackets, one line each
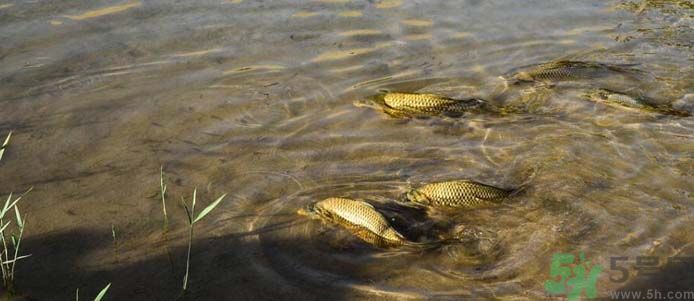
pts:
[7, 140]
[20, 222]
[8, 205]
[188, 214]
[209, 208]
[161, 180]
[2, 148]
[16, 259]
[192, 207]
[102, 293]
[4, 226]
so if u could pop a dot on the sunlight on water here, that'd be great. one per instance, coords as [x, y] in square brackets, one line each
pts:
[104, 11]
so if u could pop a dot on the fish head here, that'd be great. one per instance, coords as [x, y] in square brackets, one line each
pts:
[521, 77]
[367, 103]
[309, 210]
[374, 102]
[415, 197]
[599, 95]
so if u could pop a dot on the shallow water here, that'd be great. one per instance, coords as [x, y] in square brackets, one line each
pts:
[255, 99]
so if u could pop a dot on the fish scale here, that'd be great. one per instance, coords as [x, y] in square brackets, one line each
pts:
[459, 194]
[399, 104]
[361, 219]
[572, 70]
[626, 102]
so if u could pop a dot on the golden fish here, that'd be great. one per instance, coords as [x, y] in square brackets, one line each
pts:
[399, 104]
[626, 102]
[457, 194]
[360, 218]
[570, 70]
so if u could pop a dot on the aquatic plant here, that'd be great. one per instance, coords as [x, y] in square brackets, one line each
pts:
[11, 241]
[192, 219]
[4, 145]
[162, 187]
[100, 296]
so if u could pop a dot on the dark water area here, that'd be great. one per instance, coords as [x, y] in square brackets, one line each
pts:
[256, 99]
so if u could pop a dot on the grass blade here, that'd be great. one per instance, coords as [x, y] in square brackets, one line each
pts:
[7, 140]
[8, 205]
[20, 223]
[162, 187]
[3, 227]
[102, 293]
[16, 259]
[188, 214]
[192, 207]
[209, 208]
[2, 148]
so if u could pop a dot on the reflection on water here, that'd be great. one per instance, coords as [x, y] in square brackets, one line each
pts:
[255, 98]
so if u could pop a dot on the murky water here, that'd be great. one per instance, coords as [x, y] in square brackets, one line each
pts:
[255, 99]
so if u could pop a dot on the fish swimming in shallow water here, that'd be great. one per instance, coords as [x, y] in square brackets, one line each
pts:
[571, 71]
[463, 194]
[626, 102]
[360, 218]
[397, 104]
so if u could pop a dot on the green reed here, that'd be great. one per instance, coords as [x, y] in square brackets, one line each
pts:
[100, 296]
[192, 220]
[4, 145]
[10, 241]
[162, 187]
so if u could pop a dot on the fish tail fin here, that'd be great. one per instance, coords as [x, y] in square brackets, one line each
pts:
[675, 112]
[518, 190]
[526, 184]
[432, 245]
[629, 70]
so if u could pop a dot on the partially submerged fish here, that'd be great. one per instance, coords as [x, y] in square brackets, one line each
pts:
[360, 218]
[571, 71]
[626, 102]
[464, 194]
[399, 104]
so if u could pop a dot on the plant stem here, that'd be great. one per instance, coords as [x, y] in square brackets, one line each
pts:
[190, 246]
[16, 250]
[191, 222]
[6, 257]
[163, 197]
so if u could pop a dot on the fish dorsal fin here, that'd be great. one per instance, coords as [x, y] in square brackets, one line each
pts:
[367, 204]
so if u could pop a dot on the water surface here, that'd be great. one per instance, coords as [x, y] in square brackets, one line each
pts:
[255, 99]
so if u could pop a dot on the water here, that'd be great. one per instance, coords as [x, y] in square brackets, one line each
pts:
[255, 99]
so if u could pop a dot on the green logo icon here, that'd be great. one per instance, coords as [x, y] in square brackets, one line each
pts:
[570, 278]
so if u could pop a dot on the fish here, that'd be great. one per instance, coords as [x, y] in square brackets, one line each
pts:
[566, 70]
[631, 103]
[463, 194]
[399, 104]
[358, 217]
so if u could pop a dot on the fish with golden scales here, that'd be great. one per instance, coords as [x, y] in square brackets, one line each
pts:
[631, 103]
[565, 70]
[365, 222]
[358, 217]
[461, 194]
[399, 104]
